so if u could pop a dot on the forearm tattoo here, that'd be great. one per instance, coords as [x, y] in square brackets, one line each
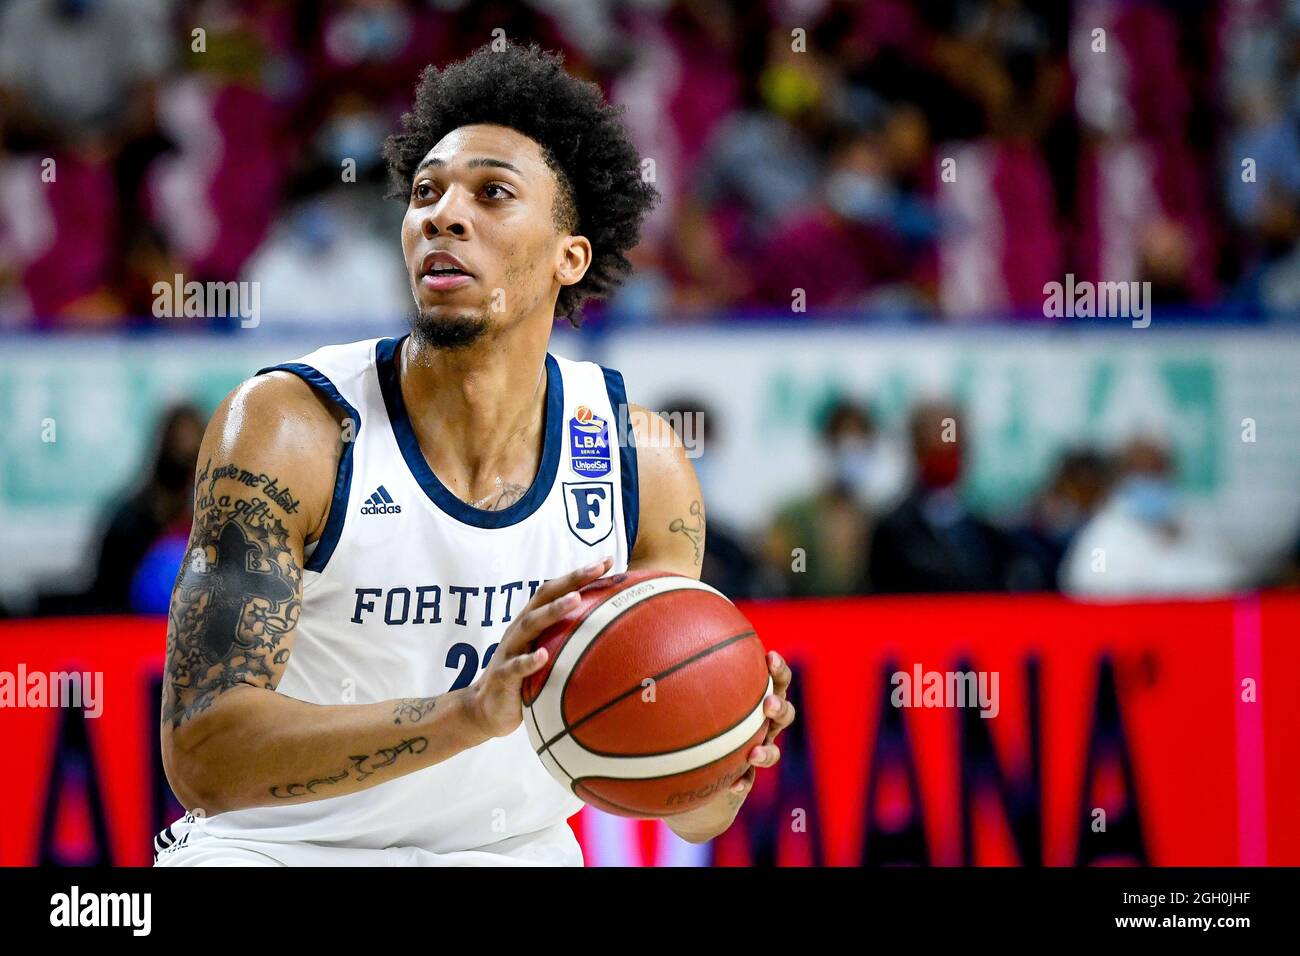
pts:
[362, 766]
[693, 529]
[236, 598]
[413, 709]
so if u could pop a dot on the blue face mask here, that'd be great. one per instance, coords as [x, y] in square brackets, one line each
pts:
[370, 34]
[316, 225]
[354, 137]
[859, 197]
[1151, 500]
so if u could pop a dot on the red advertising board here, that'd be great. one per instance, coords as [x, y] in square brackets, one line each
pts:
[1161, 733]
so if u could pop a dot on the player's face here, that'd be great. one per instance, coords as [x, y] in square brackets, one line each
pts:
[479, 237]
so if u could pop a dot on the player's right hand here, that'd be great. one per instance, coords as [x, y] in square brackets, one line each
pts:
[494, 700]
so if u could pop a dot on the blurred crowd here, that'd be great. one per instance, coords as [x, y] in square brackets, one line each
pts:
[921, 162]
[887, 516]
[937, 161]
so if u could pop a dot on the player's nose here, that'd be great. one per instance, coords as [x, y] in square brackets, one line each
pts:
[448, 216]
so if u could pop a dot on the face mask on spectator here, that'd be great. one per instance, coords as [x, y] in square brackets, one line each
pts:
[316, 225]
[860, 197]
[367, 34]
[870, 469]
[1149, 499]
[852, 462]
[355, 137]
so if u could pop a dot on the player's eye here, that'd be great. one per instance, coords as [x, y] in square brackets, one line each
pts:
[496, 191]
[423, 190]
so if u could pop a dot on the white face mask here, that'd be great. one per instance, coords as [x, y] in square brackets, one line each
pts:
[871, 470]
[853, 462]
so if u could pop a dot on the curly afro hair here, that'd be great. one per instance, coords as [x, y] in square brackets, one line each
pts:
[601, 194]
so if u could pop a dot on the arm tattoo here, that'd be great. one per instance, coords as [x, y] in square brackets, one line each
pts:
[235, 599]
[694, 530]
[414, 709]
[364, 765]
[269, 486]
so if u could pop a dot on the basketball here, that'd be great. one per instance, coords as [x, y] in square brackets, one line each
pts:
[651, 697]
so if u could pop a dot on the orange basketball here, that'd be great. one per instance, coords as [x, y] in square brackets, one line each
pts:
[652, 695]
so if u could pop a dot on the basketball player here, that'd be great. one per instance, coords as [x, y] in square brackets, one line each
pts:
[382, 528]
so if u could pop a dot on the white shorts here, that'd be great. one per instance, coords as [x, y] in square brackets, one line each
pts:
[198, 848]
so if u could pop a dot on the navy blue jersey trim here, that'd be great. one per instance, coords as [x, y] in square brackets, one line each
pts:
[448, 503]
[626, 455]
[329, 538]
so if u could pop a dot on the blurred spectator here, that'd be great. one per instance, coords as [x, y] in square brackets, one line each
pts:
[230, 114]
[931, 542]
[852, 242]
[1074, 491]
[324, 265]
[1002, 239]
[942, 160]
[79, 72]
[1142, 192]
[161, 508]
[1146, 540]
[762, 163]
[1265, 207]
[78, 80]
[729, 565]
[816, 544]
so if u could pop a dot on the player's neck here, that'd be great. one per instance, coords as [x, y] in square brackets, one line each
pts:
[477, 411]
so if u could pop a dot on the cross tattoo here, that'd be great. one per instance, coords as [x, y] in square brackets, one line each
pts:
[231, 583]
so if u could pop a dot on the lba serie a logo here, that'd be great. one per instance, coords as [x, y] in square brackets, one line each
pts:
[588, 443]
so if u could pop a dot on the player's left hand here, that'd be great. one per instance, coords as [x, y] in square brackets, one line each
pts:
[780, 713]
[715, 816]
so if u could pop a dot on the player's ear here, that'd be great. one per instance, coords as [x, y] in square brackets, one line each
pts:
[572, 259]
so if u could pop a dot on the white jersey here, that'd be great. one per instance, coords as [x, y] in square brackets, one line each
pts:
[408, 591]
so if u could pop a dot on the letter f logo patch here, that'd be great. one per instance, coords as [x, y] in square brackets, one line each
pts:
[589, 506]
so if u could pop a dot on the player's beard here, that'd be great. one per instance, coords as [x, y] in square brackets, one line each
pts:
[448, 332]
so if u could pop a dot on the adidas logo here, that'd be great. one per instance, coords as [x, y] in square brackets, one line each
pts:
[380, 503]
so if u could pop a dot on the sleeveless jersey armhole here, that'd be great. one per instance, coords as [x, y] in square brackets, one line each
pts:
[617, 392]
[329, 539]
